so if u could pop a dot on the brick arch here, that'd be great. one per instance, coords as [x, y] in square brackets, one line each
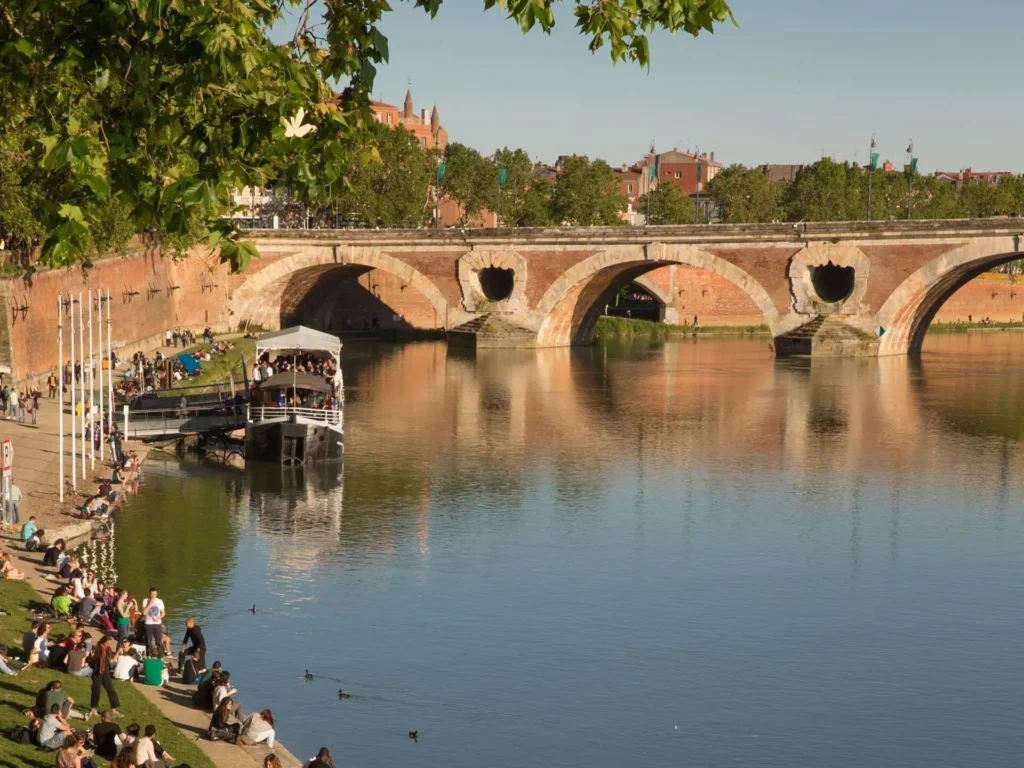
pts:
[910, 309]
[571, 305]
[281, 286]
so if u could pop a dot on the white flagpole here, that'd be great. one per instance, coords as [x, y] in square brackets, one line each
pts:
[110, 372]
[92, 393]
[81, 355]
[71, 374]
[99, 342]
[60, 375]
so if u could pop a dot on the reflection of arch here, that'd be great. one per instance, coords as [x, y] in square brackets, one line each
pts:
[909, 310]
[280, 287]
[571, 305]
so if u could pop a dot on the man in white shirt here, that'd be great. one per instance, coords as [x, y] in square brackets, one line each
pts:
[125, 665]
[153, 610]
[145, 753]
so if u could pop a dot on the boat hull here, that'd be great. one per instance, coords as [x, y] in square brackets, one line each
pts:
[292, 443]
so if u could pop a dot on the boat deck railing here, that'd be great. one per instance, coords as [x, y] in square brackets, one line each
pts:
[168, 422]
[267, 412]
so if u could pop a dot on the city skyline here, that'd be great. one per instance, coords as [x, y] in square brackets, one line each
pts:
[496, 88]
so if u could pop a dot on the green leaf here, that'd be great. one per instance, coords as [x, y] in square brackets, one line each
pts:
[25, 47]
[102, 80]
[99, 186]
[72, 212]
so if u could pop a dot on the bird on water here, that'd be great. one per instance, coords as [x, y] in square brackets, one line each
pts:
[343, 695]
[308, 676]
[414, 735]
[253, 609]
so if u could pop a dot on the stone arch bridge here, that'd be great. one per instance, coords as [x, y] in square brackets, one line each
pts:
[849, 288]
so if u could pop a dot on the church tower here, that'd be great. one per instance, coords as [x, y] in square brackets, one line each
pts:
[408, 105]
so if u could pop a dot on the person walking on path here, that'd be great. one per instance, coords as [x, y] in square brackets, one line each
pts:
[34, 408]
[51, 384]
[22, 406]
[153, 610]
[14, 506]
[103, 660]
[12, 403]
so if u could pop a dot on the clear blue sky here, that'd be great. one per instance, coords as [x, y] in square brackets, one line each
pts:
[797, 77]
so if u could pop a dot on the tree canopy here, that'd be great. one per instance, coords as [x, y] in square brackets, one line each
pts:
[668, 206]
[587, 194]
[128, 118]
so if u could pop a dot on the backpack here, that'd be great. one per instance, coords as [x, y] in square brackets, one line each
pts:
[20, 734]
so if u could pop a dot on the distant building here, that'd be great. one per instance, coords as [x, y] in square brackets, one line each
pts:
[968, 176]
[779, 174]
[427, 129]
[687, 170]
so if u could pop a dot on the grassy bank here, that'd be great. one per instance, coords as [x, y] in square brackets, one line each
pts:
[219, 368]
[630, 328]
[965, 327]
[19, 693]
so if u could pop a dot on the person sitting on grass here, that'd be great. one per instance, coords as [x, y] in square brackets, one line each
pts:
[74, 754]
[128, 741]
[35, 542]
[28, 529]
[105, 736]
[203, 696]
[79, 660]
[128, 663]
[61, 602]
[5, 663]
[54, 730]
[149, 753]
[39, 650]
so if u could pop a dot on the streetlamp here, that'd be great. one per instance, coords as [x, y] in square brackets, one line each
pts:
[652, 171]
[502, 176]
[910, 180]
[872, 163]
[437, 197]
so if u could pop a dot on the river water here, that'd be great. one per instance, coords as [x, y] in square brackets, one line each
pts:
[637, 554]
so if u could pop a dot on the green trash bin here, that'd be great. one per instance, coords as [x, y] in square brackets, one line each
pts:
[153, 671]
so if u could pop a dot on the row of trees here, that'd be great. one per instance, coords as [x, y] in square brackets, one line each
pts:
[396, 190]
[830, 191]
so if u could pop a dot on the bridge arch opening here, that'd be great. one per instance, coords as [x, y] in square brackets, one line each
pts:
[687, 283]
[909, 311]
[378, 293]
[636, 301]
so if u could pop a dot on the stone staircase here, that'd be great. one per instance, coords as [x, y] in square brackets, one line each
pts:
[826, 336]
[491, 330]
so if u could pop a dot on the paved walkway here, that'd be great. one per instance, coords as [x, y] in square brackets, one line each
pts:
[36, 472]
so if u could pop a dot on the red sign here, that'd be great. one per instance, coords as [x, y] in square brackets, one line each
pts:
[8, 457]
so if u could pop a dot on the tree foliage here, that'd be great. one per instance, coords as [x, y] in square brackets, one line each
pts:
[668, 205]
[587, 194]
[526, 196]
[391, 188]
[470, 179]
[139, 117]
[743, 195]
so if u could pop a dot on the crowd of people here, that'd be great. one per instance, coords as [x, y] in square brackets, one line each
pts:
[114, 637]
[21, 405]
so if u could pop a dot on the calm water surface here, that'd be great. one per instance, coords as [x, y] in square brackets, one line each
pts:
[657, 555]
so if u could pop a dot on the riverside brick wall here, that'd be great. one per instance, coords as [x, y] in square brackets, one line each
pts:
[993, 296]
[148, 293]
[712, 298]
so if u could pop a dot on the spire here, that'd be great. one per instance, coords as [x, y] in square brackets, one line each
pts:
[435, 120]
[408, 104]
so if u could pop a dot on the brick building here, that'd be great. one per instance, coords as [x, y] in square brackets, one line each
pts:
[968, 176]
[427, 129]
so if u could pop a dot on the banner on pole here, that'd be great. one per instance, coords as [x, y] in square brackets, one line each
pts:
[8, 457]
[874, 161]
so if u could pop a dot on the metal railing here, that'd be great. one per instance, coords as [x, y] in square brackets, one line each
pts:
[265, 412]
[156, 422]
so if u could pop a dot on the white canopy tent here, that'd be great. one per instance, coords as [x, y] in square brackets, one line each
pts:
[298, 339]
[305, 340]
